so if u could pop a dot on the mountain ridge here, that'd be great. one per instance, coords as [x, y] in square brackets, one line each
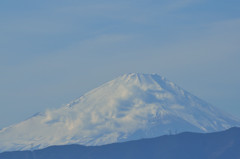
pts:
[187, 145]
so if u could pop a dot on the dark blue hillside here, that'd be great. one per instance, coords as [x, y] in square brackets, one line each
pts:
[219, 145]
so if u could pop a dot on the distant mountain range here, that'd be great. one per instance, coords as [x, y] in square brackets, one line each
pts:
[218, 145]
[130, 107]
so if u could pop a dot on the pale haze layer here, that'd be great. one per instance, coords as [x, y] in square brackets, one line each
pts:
[54, 51]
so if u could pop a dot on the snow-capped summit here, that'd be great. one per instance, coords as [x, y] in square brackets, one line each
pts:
[132, 106]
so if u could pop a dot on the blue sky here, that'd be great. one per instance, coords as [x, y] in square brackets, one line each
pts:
[52, 52]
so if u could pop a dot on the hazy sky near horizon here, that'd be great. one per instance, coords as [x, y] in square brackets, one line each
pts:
[52, 52]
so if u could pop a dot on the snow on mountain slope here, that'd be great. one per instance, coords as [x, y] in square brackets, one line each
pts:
[132, 106]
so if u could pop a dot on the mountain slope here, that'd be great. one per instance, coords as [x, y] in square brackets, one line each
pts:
[131, 107]
[220, 145]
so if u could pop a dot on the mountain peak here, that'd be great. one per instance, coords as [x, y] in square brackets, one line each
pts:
[141, 80]
[130, 107]
[141, 77]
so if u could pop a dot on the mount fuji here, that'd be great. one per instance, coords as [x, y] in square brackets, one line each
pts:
[130, 107]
